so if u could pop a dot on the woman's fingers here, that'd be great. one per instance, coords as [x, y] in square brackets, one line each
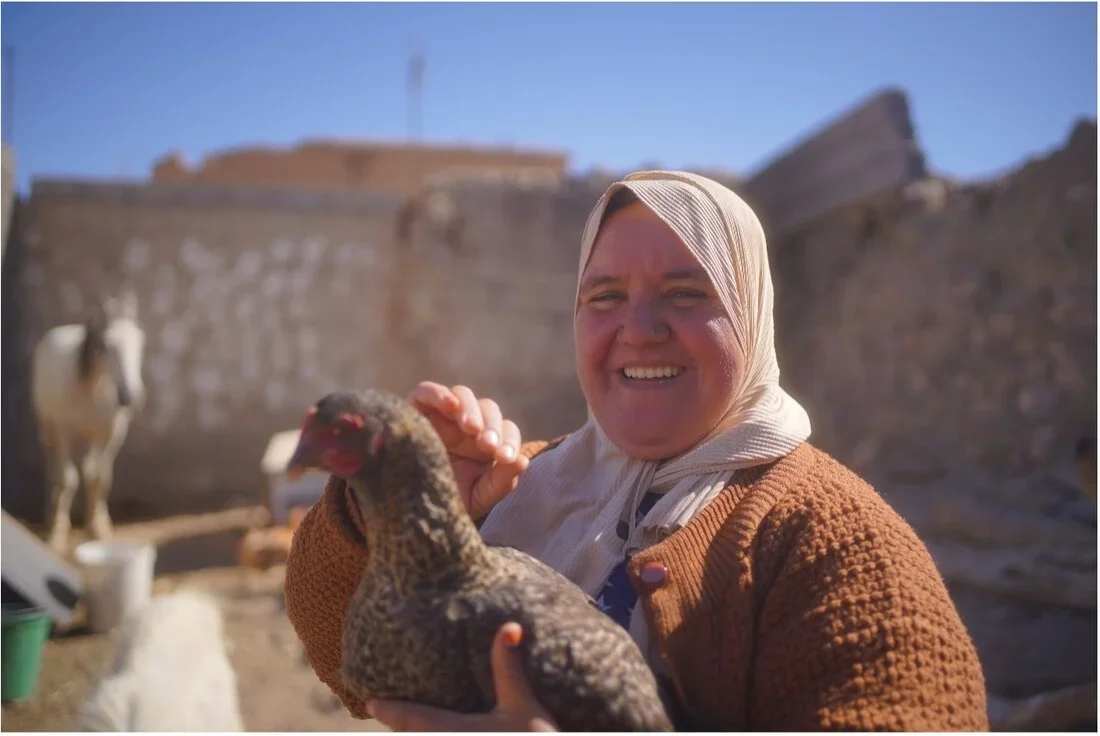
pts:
[489, 437]
[514, 695]
[474, 429]
[508, 676]
[495, 484]
[403, 716]
[510, 441]
[442, 408]
[432, 396]
[455, 414]
[469, 419]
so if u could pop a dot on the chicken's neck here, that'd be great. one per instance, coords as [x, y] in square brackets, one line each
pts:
[415, 522]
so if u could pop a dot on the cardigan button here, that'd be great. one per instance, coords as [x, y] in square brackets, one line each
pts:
[654, 574]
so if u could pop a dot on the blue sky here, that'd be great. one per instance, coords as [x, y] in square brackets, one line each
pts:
[103, 90]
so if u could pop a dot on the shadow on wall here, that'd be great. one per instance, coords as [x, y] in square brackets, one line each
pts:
[22, 477]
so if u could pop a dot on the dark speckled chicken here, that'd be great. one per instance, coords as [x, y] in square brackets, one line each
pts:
[433, 594]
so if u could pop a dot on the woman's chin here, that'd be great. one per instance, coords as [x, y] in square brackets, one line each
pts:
[645, 443]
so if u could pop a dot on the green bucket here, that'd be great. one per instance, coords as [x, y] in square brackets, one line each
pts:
[25, 630]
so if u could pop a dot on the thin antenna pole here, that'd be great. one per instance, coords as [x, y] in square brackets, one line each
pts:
[9, 87]
[416, 81]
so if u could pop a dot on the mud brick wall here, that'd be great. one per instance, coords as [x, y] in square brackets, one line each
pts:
[230, 286]
[390, 168]
[866, 150]
[256, 302]
[921, 333]
[943, 340]
[951, 327]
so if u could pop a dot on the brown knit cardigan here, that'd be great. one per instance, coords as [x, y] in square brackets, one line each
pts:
[796, 600]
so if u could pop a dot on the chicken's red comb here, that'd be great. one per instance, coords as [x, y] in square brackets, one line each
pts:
[353, 419]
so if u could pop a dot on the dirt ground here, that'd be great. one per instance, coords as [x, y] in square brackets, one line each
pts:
[279, 692]
[277, 689]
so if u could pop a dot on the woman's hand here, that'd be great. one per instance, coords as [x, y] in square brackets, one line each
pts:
[483, 446]
[517, 709]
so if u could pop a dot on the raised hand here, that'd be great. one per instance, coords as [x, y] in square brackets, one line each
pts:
[483, 446]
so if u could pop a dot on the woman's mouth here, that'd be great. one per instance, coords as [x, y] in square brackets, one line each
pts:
[650, 372]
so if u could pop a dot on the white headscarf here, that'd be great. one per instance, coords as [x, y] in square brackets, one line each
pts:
[567, 507]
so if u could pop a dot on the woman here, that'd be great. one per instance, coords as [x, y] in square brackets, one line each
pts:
[769, 586]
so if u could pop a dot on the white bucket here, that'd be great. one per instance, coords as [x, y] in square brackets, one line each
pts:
[118, 579]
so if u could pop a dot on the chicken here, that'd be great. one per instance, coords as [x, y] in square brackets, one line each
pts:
[433, 594]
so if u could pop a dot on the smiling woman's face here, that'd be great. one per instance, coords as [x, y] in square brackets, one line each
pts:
[656, 352]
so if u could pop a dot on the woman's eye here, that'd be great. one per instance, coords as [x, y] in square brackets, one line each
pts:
[687, 295]
[605, 298]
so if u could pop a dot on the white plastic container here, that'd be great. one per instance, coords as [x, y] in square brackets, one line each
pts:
[118, 579]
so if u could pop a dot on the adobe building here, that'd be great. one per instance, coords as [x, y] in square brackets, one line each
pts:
[391, 168]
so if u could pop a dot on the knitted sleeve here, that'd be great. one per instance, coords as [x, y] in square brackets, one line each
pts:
[326, 560]
[858, 631]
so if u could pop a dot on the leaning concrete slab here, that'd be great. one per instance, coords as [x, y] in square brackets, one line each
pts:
[868, 150]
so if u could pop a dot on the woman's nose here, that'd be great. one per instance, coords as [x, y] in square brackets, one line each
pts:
[642, 324]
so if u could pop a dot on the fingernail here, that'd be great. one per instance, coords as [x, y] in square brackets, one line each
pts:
[508, 452]
[513, 636]
[492, 437]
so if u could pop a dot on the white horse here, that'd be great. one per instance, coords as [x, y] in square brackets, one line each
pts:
[85, 384]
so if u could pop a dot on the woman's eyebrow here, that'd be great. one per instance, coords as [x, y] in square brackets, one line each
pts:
[684, 274]
[598, 280]
[687, 274]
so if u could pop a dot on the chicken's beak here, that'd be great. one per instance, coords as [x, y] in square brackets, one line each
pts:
[300, 461]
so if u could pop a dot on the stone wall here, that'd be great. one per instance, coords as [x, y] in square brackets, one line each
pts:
[866, 150]
[947, 332]
[943, 341]
[257, 302]
[949, 327]
[392, 168]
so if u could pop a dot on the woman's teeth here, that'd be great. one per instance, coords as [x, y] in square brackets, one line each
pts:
[653, 372]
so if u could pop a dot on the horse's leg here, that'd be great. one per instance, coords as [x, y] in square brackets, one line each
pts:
[97, 482]
[62, 480]
[99, 466]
